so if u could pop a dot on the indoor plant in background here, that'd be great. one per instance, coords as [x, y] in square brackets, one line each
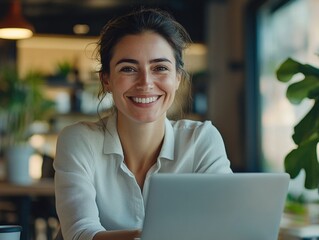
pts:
[22, 103]
[306, 131]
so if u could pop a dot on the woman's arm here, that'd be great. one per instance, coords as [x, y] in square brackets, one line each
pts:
[74, 183]
[118, 235]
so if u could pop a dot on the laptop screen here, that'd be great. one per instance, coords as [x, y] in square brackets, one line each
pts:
[239, 206]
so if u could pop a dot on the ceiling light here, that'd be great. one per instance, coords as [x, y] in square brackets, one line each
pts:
[14, 25]
[81, 29]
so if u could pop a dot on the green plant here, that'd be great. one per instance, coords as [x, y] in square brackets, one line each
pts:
[306, 131]
[22, 102]
[63, 68]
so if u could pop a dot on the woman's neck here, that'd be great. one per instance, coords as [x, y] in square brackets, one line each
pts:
[141, 144]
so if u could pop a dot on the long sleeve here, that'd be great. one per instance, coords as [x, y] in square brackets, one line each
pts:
[74, 183]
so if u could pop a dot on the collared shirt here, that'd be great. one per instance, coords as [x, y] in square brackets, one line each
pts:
[95, 190]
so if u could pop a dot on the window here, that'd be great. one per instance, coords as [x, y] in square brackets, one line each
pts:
[287, 31]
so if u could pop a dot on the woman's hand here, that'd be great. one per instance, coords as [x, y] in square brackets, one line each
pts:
[118, 235]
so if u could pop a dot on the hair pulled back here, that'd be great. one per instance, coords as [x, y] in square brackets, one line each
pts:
[137, 22]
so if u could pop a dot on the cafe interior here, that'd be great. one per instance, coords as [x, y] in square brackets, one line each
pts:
[238, 46]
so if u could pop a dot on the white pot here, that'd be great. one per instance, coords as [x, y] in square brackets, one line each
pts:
[17, 161]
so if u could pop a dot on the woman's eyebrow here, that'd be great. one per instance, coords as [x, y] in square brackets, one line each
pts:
[130, 60]
[126, 60]
[160, 60]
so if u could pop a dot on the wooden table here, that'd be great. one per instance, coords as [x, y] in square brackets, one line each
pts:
[298, 229]
[306, 232]
[22, 195]
[37, 188]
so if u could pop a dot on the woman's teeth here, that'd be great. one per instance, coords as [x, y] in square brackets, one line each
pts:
[144, 100]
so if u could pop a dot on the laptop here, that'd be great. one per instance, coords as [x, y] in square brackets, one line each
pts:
[239, 206]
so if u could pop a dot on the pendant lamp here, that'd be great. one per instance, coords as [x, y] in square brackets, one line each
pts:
[14, 25]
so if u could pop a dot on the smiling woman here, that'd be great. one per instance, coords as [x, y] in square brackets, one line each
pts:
[166, 39]
[103, 168]
[143, 69]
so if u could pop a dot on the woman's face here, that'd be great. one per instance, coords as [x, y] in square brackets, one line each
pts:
[143, 77]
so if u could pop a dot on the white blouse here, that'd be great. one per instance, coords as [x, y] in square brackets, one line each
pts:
[95, 191]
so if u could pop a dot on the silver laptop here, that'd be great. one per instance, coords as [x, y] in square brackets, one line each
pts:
[239, 206]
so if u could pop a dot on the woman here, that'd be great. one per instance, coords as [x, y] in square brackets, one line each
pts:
[103, 168]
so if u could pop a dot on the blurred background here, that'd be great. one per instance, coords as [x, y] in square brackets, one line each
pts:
[238, 45]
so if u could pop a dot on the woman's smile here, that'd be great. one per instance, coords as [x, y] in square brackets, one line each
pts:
[144, 100]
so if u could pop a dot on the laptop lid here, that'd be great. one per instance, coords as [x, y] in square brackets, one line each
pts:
[239, 206]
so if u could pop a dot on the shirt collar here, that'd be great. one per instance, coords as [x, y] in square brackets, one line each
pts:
[112, 143]
[167, 150]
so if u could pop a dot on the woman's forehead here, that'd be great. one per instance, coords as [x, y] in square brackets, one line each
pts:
[146, 45]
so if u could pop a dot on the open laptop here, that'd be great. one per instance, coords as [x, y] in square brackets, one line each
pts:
[239, 206]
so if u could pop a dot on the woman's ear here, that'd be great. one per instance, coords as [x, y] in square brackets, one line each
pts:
[104, 78]
[178, 80]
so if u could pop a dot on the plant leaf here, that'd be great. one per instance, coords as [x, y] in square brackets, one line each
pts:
[311, 167]
[292, 162]
[304, 157]
[314, 93]
[290, 67]
[298, 91]
[307, 127]
[287, 70]
[309, 70]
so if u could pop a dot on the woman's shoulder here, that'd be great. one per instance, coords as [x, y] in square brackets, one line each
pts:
[83, 128]
[191, 124]
[203, 129]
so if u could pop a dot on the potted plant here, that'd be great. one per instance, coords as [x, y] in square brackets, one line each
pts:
[305, 136]
[22, 102]
[306, 131]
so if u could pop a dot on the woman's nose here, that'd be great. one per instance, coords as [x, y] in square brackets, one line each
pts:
[145, 82]
[145, 87]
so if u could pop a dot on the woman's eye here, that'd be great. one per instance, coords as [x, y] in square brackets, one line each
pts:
[127, 69]
[161, 68]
